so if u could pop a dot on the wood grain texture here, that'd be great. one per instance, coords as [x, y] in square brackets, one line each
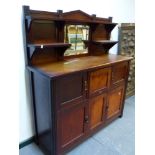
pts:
[71, 125]
[119, 72]
[73, 97]
[115, 101]
[97, 110]
[100, 33]
[72, 16]
[99, 79]
[78, 64]
[42, 31]
[69, 88]
[43, 112]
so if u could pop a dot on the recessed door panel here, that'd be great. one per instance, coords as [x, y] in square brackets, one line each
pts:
[99, 79]
[115, 101]
[69, 87]
[71, 125]
[97, 110]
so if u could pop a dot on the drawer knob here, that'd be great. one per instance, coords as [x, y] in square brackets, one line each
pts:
[119, 93]
[100, 92]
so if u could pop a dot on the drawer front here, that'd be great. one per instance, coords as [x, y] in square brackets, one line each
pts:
[99, 80]
[70, 88]
[119, 72]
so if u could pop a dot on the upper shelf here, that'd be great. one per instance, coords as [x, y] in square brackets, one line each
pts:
[101, 42]
[110, 26]
[42, 45]
[104, 42]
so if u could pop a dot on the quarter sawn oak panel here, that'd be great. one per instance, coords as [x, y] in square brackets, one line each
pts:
[69, 87]
[99, 79]
[115, 101]
[119, 72]
[97, 110]
[71, 125]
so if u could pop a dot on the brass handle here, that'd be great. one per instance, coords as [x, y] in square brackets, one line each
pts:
[119, 93]
[86, 119]
[100, 92]
[86, 85]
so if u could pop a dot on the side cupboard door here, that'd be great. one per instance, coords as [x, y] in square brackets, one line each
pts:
[72, 111]
[71, 126]
[115, 102]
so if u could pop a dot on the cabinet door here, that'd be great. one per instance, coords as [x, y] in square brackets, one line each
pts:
[97, 113]
[115, 101]
[71, 125]
[99, 80]
[70, 88]
[119, 72]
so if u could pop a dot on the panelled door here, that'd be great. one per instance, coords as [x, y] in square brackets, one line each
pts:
[99, 82]
[72, 115]
[97, 113]
[115, 101]
[71, 125]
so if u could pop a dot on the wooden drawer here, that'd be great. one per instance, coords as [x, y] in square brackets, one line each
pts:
[119, 72]
[99, 80]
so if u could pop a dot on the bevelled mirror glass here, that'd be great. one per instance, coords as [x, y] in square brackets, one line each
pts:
[75, 35]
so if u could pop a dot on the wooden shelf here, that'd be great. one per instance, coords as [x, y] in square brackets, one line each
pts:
[101, 42]
[104, 42]
[110, 26]
[42, 45]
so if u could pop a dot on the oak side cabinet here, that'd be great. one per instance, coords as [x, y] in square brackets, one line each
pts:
[73, 96]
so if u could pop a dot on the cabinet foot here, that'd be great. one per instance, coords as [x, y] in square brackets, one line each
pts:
[121, 116]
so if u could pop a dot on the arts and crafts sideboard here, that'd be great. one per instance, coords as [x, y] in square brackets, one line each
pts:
[77, 95]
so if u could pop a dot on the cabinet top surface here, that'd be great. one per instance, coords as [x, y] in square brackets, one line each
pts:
[78, 64]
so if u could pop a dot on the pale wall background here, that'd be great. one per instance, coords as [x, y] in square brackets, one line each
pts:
[122, 11]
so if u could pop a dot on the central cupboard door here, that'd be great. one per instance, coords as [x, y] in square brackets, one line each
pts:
[97, 107]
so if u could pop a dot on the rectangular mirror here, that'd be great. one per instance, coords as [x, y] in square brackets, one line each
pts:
[75, 35]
